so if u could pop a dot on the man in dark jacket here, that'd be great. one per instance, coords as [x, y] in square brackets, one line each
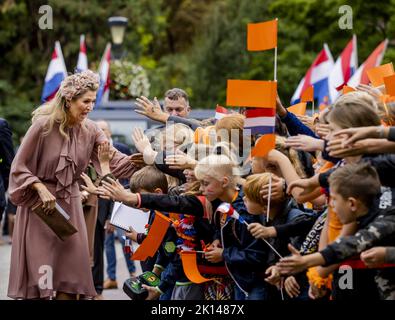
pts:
[6, 157]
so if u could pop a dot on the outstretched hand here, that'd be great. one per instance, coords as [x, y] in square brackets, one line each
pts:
[89, 186]
[291, 264]
[151, 109]
[113, 190]
[305, 143]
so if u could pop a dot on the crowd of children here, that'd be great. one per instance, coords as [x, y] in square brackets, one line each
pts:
[314, 217]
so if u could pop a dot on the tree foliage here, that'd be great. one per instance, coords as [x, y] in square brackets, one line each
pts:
[195, 45]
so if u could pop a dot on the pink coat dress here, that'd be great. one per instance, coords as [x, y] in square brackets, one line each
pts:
[41, 263]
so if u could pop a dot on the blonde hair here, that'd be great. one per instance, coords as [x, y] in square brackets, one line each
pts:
[253, 185]
[71, 88]
[229, 122]
[218, 166]
[180, 135]
[355, 109]
[199, 151]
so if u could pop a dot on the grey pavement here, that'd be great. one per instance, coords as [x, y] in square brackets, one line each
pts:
[113, 294]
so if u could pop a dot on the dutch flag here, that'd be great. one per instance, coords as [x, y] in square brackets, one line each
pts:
[344, 68]
[317, 75]
[374, 60]
[55, 74]
[82, 63]
[104, 73]
[260, 120]
[220, 112]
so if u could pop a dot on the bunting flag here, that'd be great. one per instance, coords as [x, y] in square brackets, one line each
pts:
[298, 109]
[220, 112]
[260, 120]
[189, 264]
[251, 93]
[82, 63]
[345, 66]
[376, 75]
[308, 94]
[360, 76]
[55, 74]
[262, 36]
[154, 238]
[317, 75]
[230, 212]
[263, 145]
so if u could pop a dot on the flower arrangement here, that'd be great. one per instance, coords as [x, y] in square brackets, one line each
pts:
[128, 80]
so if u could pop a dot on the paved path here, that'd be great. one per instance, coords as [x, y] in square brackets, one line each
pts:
[115, 294]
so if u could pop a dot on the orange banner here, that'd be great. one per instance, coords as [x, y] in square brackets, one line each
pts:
[263, 145]
[154, 238]
[298, 109]
[308, 94]
[189, 263]
[251, 93]
[262, 36]
[376, 75]
[390, 85]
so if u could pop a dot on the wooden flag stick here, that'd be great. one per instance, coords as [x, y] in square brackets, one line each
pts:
[275, 60]
[271, 247]
[275, 64]
[268, 199]
[313, 108]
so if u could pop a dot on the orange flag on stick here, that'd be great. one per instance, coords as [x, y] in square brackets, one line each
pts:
[298, 109]
[376, 75]
[251, 93]
[307, 95]
[189, 263]
[390, 85]
[154, 238]
[262, 36]
[263, 145]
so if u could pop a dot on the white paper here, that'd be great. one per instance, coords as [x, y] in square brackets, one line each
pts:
[124, 217]
[61, 211]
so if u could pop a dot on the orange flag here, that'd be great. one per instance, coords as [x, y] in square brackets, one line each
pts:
[390, 85]
[263, 145]
[376, 75]
[154, 238]
[308, 94]
[189, 263]
[322, 107]
[347, 89]
[251, 93]
[262, 36]
[298, 109]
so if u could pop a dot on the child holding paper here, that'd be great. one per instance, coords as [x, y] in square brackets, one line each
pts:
[233, 244]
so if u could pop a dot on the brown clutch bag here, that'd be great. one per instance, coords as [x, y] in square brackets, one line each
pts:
[57, 220]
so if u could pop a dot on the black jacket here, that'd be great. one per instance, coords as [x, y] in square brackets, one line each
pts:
[6, 156]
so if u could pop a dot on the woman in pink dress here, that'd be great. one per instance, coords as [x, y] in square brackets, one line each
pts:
[56, 150]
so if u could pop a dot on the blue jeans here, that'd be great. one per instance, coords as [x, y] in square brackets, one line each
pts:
[111, 256]
[167, 294]
[256, 293]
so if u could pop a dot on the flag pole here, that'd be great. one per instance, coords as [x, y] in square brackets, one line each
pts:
[275, 59]
[275, 63]
[313, 108]
[268, 198]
